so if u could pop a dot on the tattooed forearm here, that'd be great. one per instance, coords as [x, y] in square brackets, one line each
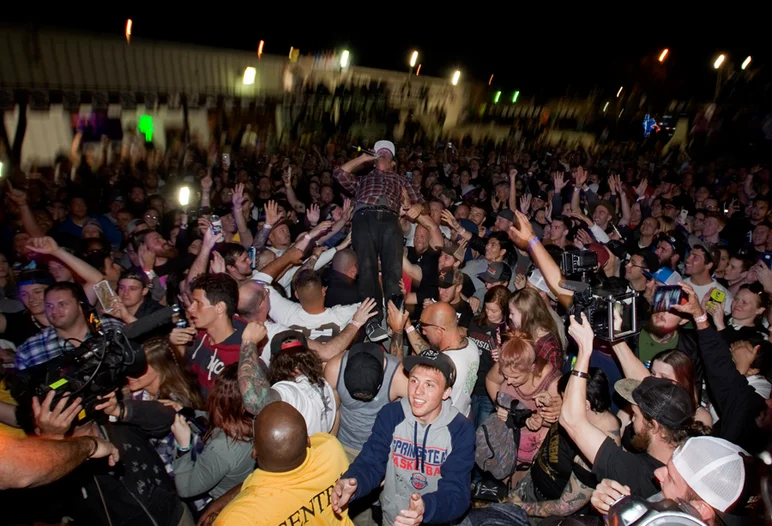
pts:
[396, 348]
[417, 342]
[574, 497]
[255, 390]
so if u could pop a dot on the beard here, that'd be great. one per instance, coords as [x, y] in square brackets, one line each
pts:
[657, 331]
[168, 251]
[642, 441]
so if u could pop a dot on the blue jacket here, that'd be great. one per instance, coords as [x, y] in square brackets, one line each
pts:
[434, 460]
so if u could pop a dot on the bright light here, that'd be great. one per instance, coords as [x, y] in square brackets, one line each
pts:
[129, 23]
[145, 126]
[456, 76]
[663, 54]
[249, 75]
[490, 80]
[344, 58]
[719, 61]
[292, 49]
[184, 196]
[1, 169]
[605, 107]
[413, 59]
[496, 97]
[746, 62]
[515, 95]
[260, 48]
[620, 91]
[418, 70]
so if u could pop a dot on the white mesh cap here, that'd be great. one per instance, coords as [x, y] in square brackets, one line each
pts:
[713, 468]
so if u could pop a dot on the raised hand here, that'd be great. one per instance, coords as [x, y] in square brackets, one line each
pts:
[321, 228]
[525, 203]
[582, 333]
[640, 190]
[42, 245]
[206, 183]
[271, 213]
[448, 218]
[558, 181]
[313, 213]
[581, 176]
[17, 196]
[692, 306]
[522, 233]
[366, 310]
[238, 196]
[217, 266]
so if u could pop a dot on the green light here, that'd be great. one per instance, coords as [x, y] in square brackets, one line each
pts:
[515, 95]
[496, 97]
[145, 126]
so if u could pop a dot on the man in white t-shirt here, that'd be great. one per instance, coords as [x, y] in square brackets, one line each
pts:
[310, 316]
[439, 325]
[699, 267]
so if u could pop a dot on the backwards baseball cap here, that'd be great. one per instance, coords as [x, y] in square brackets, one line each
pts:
[385, 145]
[659, 399]
[135, 273]
[449, 277]
[434, 359]
[507, 214]
[452, 249]
[536, 279]
[713, 468]
[497, 271]
[675, 240]
[35, 277]
[286, 341]
[363, 376]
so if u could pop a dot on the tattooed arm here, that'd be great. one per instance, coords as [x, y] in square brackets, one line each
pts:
[255, 390]
[416, 340]
[575, 496]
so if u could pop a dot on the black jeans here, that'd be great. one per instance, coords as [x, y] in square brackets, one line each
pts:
[376, 234]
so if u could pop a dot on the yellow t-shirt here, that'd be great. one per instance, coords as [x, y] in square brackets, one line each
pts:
[300, 497]
[6, 397]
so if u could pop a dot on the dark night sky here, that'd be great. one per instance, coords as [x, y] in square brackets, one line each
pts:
[529, 52]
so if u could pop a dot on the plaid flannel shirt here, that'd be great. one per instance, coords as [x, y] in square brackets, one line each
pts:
[47, 345]
[370, 188]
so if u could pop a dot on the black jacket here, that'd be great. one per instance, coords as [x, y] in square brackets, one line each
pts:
[135, 487]
[736, 401]
[341, 290]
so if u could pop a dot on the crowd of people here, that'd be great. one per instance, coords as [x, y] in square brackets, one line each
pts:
[386, 337]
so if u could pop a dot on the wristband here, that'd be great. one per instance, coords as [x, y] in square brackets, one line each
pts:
[180, 448]
[532, 242]
[409, 329]
[580, 374]
[356, 324]
[267, 226]
[701, 319]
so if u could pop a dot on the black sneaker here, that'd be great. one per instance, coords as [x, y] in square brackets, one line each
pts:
[375, 333]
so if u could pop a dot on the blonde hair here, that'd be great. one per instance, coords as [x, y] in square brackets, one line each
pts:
[534, 314]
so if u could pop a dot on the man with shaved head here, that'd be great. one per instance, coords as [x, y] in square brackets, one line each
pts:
[439, 326]
[341, 280]
[295, 474]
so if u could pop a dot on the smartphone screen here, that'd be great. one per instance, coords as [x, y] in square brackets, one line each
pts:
[665, 297]
[105, 295]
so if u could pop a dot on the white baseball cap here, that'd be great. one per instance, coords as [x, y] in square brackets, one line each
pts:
[713, 468]
[385, 145]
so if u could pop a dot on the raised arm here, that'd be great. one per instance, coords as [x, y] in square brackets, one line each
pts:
[512, 190]
[88, 274]
[632, 367]
[255, 389]
[206, 189]
[573, 415]
[245, 235]
[201, 263]
[344, 174]
[27, 217]
[524, 238]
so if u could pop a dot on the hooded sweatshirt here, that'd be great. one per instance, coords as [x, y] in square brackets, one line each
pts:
[207, 359]
[434, 460]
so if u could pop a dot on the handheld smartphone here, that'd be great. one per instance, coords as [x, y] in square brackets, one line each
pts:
[195, 423]
[398, 300]
[767, 259]
[105, 295]
[226, 158]
[666, 297]
[718, 296]
[409, 175]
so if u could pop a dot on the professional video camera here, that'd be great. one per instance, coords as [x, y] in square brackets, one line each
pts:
[96, 368]
[598, 297]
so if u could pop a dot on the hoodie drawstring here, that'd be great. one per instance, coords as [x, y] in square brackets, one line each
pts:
[420, 457]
